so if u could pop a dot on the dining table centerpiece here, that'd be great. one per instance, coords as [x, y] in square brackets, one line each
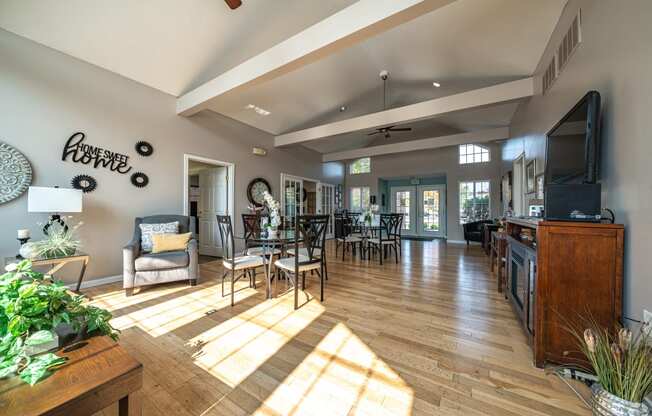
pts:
[273, 208]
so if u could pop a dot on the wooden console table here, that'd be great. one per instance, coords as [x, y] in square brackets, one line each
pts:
[56, 263]
[558, 272]
[95, 376]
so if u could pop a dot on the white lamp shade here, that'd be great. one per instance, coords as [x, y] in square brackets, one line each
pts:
[58, 200]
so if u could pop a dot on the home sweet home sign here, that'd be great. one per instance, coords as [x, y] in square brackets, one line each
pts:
[80, 152]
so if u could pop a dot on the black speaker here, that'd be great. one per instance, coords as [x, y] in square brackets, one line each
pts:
[572, 202]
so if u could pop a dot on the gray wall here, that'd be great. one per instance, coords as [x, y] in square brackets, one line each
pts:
[45, 96]
[615, 59]
[436, 162]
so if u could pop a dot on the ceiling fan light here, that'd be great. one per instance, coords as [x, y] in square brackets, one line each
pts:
[436, 84]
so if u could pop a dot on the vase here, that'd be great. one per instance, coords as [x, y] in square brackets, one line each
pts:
[607, 404]
[271, 233]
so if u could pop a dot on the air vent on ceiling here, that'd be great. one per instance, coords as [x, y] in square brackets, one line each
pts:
[550, 75]
[568, 45]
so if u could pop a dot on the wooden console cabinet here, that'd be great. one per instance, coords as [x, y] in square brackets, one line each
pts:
[566, 270]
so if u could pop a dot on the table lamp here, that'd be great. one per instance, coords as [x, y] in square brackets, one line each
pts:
[54, 201]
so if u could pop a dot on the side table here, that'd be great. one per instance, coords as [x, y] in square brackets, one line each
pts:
[56, 263]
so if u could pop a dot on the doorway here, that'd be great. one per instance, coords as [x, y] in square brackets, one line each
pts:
[307, 196]
[208, 192]
[423, 207]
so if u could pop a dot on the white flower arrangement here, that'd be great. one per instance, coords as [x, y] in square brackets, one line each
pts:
[274, 210]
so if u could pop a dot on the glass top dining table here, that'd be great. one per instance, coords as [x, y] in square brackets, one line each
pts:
[269, 242]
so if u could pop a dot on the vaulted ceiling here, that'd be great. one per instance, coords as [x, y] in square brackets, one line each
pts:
[177, 46]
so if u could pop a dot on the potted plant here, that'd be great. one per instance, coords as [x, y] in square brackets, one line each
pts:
[622, 364]
[33, 309]
[59, 242]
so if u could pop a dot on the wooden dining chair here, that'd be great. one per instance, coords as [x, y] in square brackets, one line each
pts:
[344, 237]
[310, 231]
[245, 265]
[388, 237]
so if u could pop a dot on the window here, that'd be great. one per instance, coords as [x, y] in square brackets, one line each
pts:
[474, 201]
[362, 165]
[403, 207]
[472, 153]
[359, 199]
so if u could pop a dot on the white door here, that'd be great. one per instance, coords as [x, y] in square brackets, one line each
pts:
[292, 197]
[431, 211]
[326, 204]
[404, 202]
[213, 201]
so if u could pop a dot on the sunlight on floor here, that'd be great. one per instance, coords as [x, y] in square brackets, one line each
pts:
[164, 316]
[341, 376]
[233, 350]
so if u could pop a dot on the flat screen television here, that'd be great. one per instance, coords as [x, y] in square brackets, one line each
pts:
[572, 148]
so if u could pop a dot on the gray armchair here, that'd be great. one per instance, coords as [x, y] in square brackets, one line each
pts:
[142, 269]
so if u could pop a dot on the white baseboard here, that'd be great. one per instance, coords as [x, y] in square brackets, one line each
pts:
[97, 282]
[456, 241]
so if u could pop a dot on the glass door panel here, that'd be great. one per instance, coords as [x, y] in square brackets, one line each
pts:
[404, 202]
[431, 210]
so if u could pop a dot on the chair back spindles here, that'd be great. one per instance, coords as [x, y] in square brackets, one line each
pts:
[311, 230]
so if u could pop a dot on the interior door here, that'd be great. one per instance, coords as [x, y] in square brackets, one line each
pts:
[326, 195]
[292, 197]
[431, 211]
[213, 201]
[404, 202]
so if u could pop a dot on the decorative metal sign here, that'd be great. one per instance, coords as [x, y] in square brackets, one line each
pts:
[15, 173]
[96, 156]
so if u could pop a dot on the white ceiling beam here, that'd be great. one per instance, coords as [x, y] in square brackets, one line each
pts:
[495, 94]
[481, 136]
[358, 22]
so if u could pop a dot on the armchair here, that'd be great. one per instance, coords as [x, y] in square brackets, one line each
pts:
[473, 230]
[143, 269]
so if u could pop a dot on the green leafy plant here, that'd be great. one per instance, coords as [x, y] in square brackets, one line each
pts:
[621, 362]
[32, 306]
[59, 242]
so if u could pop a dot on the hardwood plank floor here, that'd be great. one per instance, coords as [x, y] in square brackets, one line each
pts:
[427, 336]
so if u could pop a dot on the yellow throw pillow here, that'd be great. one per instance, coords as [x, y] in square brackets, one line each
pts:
[170, 242]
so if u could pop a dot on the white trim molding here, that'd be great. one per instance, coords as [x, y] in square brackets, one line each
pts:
[354, 24]
[481, 136]
[496, 94]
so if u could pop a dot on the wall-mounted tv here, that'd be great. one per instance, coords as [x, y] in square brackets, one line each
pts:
[572, 149]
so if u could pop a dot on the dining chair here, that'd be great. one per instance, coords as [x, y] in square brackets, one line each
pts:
[354, 219]
[343, 236]
[245, 264]
[251, 223]
[310, 231]
[388, 237]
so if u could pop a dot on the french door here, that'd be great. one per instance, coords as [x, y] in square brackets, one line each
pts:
[291, 197]
[423, 208]
[326, 194]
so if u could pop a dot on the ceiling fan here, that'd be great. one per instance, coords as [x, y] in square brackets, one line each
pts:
[233, 4]
[386, 131]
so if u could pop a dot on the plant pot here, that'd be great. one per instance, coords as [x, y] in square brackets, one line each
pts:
[607, 404]
[67, 334]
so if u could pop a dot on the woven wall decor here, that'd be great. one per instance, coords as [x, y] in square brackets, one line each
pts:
[15, 173]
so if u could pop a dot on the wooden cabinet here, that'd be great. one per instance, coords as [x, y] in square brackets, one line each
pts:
[567, 270]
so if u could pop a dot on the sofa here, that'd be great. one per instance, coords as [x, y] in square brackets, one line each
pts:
[142, 269]
[473, 230]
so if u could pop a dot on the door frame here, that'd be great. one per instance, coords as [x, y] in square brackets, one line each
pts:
[231, 181]
[442, 209]
[520, 159]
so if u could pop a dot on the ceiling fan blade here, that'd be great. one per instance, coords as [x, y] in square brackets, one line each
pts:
[374, 132]
[401, 129]
[233, 4]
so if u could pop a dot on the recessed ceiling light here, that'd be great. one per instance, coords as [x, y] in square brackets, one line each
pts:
[258, 110]
[436, 84]
[342, 109]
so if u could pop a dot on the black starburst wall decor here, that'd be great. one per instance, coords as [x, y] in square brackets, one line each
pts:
[143, 148]
[139, 180]
[84, 182]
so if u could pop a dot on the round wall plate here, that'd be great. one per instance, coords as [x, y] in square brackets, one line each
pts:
[15, 173]
[84, 182]
[139, 179]
[143, 148]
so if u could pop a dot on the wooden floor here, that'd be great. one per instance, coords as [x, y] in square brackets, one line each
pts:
[429, 335]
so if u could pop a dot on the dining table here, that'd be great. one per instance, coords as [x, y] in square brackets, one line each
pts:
[269, 242]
